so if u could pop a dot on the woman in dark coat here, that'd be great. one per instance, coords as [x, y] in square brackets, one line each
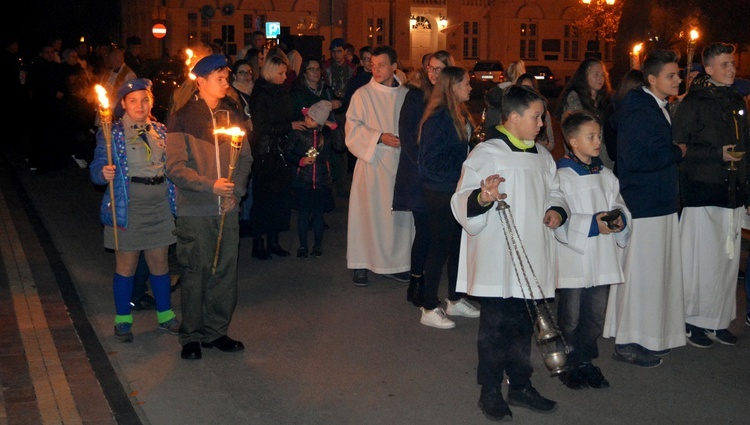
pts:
[271, 114]
[408, 194]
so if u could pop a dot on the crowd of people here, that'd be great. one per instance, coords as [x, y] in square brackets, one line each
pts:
[635, 232]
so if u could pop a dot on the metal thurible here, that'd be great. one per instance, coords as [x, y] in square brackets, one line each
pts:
[548, 336]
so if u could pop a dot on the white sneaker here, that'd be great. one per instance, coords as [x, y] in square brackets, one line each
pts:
[461, 308]
[436, 318]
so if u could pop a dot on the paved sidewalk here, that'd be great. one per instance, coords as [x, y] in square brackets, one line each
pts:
[319, 350]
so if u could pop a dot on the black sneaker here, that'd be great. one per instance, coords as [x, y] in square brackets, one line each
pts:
[721, 336]
[747, 319]
[573, 379]
[301, 252]
[360, 277]
[530, 398]
[317, 252]
[697, 337]
[494, 407]
[145, 302]
[660, 353]
[635, 355]
[123, 332]
[593, 376]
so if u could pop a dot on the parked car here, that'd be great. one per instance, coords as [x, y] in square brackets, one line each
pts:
[485, 75]
[546, 80]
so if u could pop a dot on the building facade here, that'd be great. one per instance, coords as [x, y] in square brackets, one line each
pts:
[539, 32]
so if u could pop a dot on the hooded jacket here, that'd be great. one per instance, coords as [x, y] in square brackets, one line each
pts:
[708, 118]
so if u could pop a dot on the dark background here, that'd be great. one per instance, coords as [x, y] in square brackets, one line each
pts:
[34, 22]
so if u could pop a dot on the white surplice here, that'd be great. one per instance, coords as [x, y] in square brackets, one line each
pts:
[378, 239]
[648, 308]
[486, 268]
[711, 238]
[585, 261]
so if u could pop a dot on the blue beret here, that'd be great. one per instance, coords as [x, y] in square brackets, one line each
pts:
[209, 64]
[129, 87]
[337, 42]
[743, 86]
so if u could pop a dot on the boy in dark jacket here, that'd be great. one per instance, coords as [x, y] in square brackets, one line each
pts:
[712, 121]
[309, 151]
[645, 314]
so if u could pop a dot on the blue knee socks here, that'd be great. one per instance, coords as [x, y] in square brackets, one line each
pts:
[123, 290]
[160, 286]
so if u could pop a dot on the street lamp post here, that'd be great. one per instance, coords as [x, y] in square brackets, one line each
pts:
[597, 20]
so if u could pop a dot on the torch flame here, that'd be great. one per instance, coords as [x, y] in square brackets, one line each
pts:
[233, 131]
[102, 93]
[637, 48]
[189, 54]
[693, 35]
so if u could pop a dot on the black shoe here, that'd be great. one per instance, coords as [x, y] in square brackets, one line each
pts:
[301, 252]
[415, 291]
[494, 407]
[191, 351]
[360, 277]
[276, 249]
[697, 337]
[259, 250]
[636, 355]
[574, 379]
[225, 344]
[317, 252]
[530, 398]
[593, 376]
[722, 336]
[145, 302]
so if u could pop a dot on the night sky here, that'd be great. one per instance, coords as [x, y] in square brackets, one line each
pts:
[34, 22]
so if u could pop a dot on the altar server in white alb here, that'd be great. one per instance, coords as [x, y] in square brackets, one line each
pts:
[712, 120]
[509, 163]
[378, 239]
[645, 314]
[591, 246]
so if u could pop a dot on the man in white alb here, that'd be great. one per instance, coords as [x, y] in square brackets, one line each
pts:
[378, 239]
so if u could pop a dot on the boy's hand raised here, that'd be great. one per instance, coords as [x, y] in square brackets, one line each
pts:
[489, 190]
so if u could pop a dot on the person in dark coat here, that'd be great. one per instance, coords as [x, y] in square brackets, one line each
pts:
[308, 153]
[271, 112]
[408, 194]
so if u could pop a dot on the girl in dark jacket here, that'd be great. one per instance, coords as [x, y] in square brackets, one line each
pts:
[444, 134]
[408, 194]
[308, 153]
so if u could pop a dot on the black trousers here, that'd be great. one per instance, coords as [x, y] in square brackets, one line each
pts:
[504, 342]
[445, 244]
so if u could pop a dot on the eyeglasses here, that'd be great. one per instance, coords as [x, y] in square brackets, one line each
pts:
[435, 70]
[244, 73]
[312, 69]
